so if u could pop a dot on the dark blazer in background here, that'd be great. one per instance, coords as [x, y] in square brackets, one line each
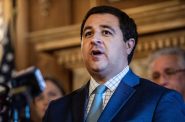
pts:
[134, 100]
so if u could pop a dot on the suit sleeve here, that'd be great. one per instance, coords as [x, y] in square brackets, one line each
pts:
[171, 107]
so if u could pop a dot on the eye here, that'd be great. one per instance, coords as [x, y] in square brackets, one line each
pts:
[106, 33]
[52, 94]
[88, 34]
[155, 76]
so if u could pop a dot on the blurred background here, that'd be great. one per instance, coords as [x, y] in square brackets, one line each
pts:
[46, 34]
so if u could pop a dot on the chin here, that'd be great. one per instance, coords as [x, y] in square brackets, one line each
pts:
[98, 68]
[41, 115]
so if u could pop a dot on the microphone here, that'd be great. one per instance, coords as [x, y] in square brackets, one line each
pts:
[14, 100]
[30, 80]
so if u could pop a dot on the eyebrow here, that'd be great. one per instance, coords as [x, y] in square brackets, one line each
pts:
[86, 28]
[102, 26]
[109, 27]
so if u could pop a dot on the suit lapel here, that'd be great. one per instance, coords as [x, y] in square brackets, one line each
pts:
[121, 95]
[79, 102]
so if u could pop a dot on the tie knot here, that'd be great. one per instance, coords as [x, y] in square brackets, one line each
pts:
[100, 89]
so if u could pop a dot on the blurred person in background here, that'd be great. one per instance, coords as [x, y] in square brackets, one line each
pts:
[40, 103]
[167, 68]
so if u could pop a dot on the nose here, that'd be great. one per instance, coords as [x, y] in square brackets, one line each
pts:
[96, 40]
[163, 79]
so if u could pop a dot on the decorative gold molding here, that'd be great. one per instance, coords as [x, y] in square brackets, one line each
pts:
[70, 58]
[45, 6]
[147, 44]
[159, 25]
[159, 17]
[57, 38]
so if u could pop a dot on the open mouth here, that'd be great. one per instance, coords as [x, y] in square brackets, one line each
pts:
[96, 52]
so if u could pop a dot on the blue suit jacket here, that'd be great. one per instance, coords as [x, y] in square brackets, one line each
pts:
[135, 100]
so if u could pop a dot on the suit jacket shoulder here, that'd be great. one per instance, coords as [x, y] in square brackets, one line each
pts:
[69, 108]
[151, 102]
[135, 99]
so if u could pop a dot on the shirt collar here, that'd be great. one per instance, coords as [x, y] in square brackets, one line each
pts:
[110, 84]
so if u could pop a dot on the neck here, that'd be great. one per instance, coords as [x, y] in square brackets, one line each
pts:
[103, 77]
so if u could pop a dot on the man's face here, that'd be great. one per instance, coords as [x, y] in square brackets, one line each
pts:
[167, 71]
[103, 49]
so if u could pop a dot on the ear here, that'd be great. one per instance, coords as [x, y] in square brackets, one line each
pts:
[130, 45]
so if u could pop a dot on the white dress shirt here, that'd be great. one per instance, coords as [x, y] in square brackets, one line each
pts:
[111, 85]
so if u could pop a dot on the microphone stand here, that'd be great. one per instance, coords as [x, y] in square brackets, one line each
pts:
[21, 107]
[15, 102]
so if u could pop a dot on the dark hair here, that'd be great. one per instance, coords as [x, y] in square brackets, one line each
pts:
[127, 24]
[56, 82]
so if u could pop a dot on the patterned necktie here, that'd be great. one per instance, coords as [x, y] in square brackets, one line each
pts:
[97, 104]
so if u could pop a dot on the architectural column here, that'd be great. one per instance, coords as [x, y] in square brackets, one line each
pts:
[21, 33]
